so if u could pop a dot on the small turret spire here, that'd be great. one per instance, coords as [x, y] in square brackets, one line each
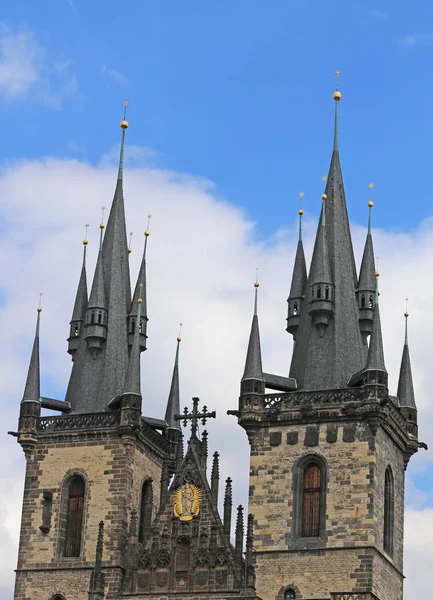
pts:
[140, 292]
[101, 228]
[132, 381]
[124, 126]
[80, 305]
[253, 363]
[173, 403]
[97, 579]
[375, 358]
[366, 288]
[337, 97]
[32, 390]
[405, 391]
[299, 282]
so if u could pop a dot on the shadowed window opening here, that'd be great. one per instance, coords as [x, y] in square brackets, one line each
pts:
[145, 510]
[295, 308]
[289, 595]
[388, 525]
[362, 301]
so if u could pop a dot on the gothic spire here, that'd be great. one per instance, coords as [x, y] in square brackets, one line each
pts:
[80, 306]
[299, 283]
[132, 381]
[405, 393]
[253, 363]
[325, 358]
[97, 579]
[367, 282]
[32, 390]
[98, 375]
[140, 292]
[173, 403]
[375, 358]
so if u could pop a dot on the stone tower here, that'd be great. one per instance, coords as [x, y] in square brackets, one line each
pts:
[329, 443]
[107, 509]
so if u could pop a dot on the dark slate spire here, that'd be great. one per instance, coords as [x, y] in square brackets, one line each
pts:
[367, 282]
[140, 292]
[133, 378]
[253, 363]
[299, 283]
[32, 390]
[99, 375]
[80, 305]
[405, 391]
[228, 504]
[375, 358]
[173, 403]
[215, 478]
[95, 328]
[328, 362]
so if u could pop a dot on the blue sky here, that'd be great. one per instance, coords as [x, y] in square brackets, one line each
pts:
[238, 91]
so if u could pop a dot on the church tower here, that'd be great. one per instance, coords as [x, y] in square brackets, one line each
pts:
[101, 457]
[329, 443]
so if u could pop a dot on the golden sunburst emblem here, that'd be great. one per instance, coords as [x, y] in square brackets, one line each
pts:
[187, 499]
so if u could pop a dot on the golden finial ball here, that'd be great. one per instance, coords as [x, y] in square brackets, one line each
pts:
[179, 339]
[336, 95]
[129, 250]
[85, 242]
[300, 212]
[139, 301]
[406, 314]
[147, 233]
[370, 204]
[39, 309]
[256, 285]
[124, 124]
[377, 274]
[324, 197]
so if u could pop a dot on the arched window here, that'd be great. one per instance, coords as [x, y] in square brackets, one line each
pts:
[311, 500]
[388, 513]
[319, 292]
[289, 595]
[370, 302]
[327, 292]
[57, 597]
[295, 308]
[145, 510]
[362, 301]
[74, 516]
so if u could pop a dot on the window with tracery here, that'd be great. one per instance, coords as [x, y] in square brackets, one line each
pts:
[74, 516]
[311, 500]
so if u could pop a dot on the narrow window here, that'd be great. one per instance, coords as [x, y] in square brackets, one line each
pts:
[140, 327]
[311, 501]
[74, 517]
[370, 302]
[289, 595]
[99, 316]
[388, 513]
[295, 308]
[145, 510]
[362, 301]
[319, 292]
[76, 330]
[327, 293]
[92, 319]
[132, 325]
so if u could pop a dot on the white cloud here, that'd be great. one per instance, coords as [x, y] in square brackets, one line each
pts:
[114, 75]
[201, 264]
[24, 68]
[416, 39]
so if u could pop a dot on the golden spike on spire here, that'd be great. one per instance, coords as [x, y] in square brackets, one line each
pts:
[324, 179]
[85, 241]
[406, 314]
[179, 338]
[139, 301]
[301, 211]
[256, 284]
[147, 232]
[39, 309]
[370, 202]
[377, 268]
[102, 217]
[130, 239]
[337, 75]
[124, 122]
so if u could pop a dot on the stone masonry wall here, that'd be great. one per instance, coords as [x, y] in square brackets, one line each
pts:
[342, 559]
[113, 477]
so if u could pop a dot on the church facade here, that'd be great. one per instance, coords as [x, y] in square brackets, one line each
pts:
[114, 508]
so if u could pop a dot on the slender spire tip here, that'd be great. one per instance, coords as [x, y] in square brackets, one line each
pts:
[370, 206]
[300, 213]
[256, 285]
[124, 126]
[337, 97]
[406, 315]
[130, 240]
[179, 337]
